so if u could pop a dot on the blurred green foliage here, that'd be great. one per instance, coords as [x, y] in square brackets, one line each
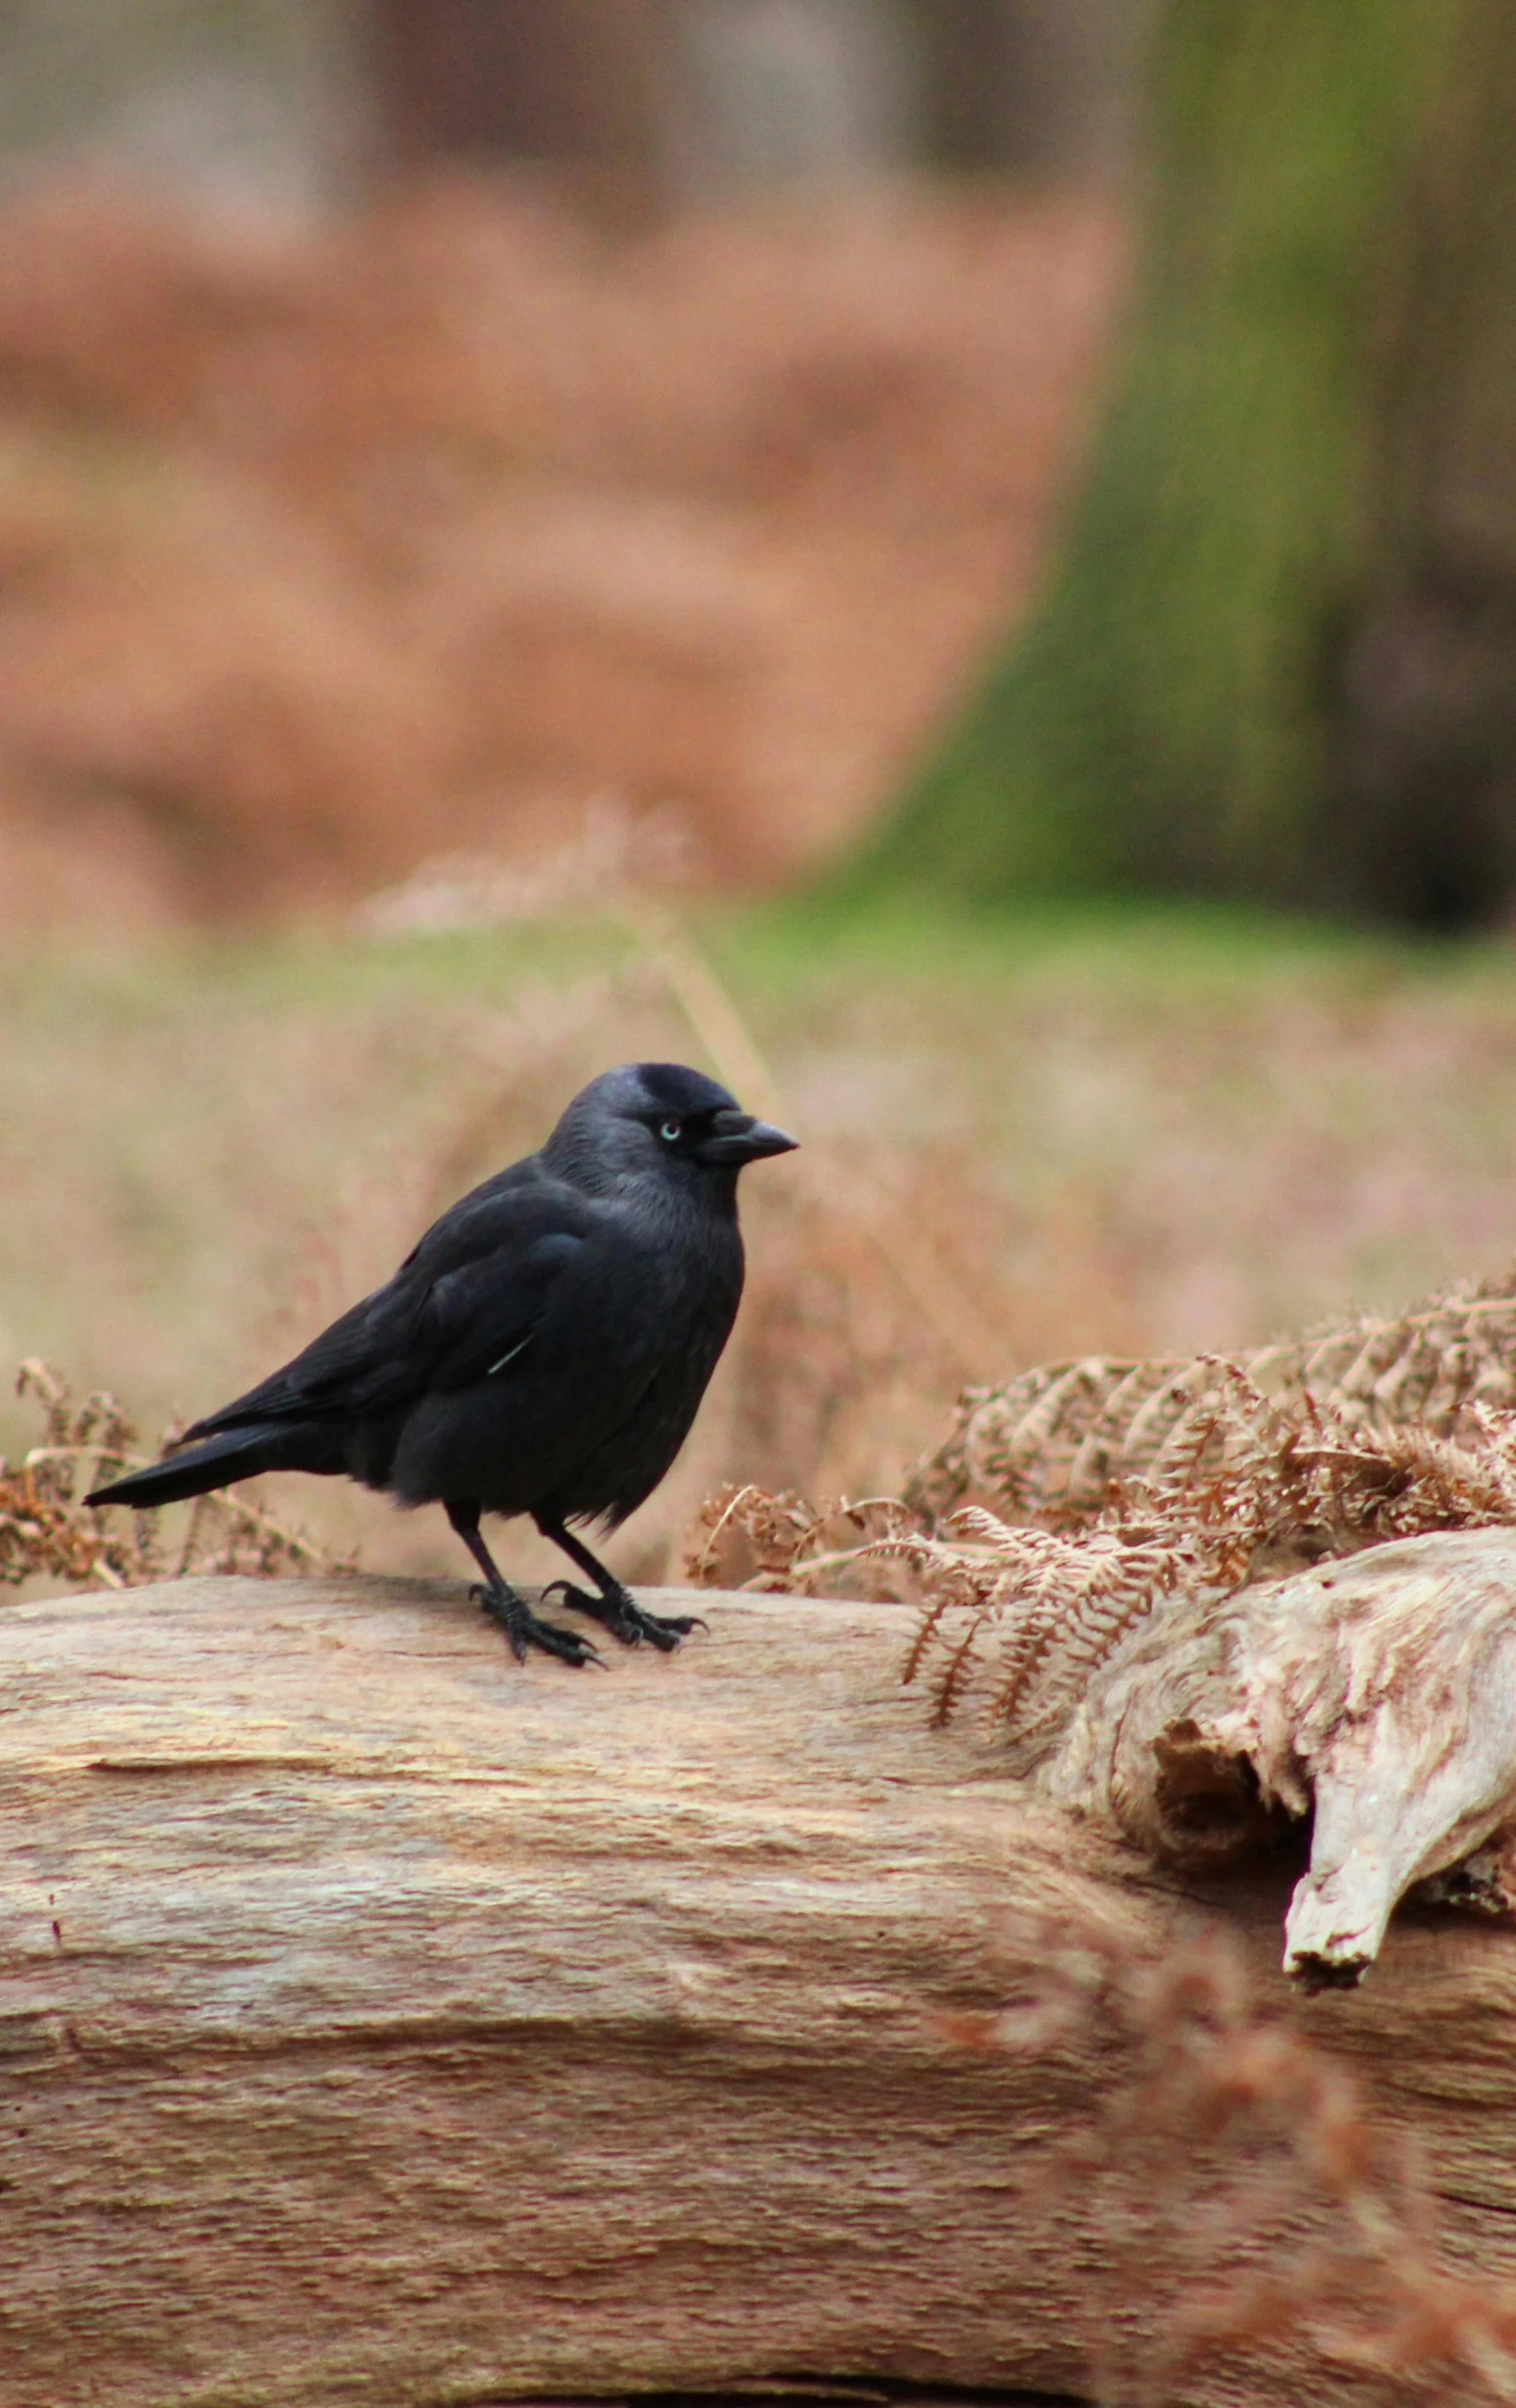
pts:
[1168, 721]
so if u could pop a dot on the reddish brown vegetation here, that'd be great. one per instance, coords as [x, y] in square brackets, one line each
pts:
[1069, 1505]
[48, 1532]
[321, 554]
[1244, 2179]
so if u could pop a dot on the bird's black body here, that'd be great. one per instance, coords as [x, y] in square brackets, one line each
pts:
[542, 1350]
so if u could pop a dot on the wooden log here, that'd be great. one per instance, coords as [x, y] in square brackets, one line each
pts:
[384, 2021]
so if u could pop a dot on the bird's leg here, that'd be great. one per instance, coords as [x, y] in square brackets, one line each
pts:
[613, 1604]
[501, 1604]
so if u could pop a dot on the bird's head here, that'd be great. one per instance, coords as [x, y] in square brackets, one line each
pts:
[658, 1115]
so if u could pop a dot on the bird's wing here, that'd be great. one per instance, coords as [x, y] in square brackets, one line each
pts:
[477, 1323]
[464, 1304]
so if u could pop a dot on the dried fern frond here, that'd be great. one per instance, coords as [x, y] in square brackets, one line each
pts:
[46, 1531]
[1225, 2127]
[1115, 1487]
[746, 1538]
[1051, 1442]
[1250, 1487]
[774, 1529]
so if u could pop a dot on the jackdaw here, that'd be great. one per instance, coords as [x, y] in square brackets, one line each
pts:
[542, 1350]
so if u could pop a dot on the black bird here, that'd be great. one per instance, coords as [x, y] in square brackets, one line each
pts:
[543, 1350]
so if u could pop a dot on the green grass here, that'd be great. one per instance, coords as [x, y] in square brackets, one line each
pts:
[1181, 941]
[773, 952]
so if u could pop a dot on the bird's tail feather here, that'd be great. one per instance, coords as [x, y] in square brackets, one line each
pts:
[232, 1454]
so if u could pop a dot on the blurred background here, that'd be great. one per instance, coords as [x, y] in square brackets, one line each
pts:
[954, 561]
[419, 416]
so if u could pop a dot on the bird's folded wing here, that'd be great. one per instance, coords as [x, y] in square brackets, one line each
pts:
[464, 1303]
[476, 1325]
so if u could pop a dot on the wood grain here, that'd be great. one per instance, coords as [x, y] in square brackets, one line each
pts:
[381, 2022]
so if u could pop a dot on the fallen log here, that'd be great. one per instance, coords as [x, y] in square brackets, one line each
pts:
[381, 2021]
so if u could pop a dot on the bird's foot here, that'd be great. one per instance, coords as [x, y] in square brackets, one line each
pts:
[625, 1619]
[523, 1628]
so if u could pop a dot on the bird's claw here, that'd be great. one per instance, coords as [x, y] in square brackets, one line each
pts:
[625, 1619]
[524, 1630]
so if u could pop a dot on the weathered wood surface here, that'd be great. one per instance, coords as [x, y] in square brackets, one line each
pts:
[382, 2022]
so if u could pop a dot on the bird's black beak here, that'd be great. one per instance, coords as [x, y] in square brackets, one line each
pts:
[737, 1137]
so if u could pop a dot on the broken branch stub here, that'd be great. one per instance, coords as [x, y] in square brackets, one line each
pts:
[1375, 1691]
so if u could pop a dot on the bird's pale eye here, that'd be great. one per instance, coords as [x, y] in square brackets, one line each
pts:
[671, 1132]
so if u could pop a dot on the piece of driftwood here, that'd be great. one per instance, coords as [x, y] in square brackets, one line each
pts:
[382, 2022]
